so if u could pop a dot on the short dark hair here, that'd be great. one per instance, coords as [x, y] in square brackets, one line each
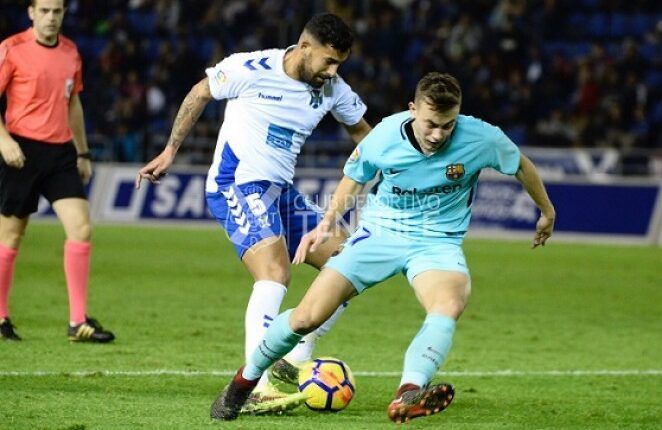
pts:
[440, 90]
[33, 3]
[330, 29]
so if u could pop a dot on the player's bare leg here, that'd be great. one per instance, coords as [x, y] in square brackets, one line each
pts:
[328, 249]
[74, 214]
[287, 369]
[329, 290]
[268, 260]
[12, 231]
[442, 292]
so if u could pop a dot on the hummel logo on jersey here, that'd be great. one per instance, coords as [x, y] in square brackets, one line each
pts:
[270, 97]
[263, 62]
[315, 98]
[455, 172]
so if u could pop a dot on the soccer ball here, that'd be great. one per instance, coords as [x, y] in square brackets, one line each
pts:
[328, 383]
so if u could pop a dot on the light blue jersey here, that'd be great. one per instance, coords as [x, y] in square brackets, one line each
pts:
[427, 196]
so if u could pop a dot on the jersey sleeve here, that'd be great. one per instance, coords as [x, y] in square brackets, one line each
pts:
[361, 165]
[6, 68]
[505, 154]
[348, 107]
[229, 78]
[78, 75]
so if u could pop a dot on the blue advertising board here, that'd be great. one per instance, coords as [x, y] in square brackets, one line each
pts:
[583, 207]
[580, 207]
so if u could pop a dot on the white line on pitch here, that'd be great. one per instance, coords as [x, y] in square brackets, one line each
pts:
[194, 373]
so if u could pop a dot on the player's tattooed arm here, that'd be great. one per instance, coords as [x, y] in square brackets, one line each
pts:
[189, 112]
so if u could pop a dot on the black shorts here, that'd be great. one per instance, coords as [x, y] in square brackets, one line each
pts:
[49, 170]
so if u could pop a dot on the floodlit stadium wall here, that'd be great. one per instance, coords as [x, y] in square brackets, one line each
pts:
[606, 208]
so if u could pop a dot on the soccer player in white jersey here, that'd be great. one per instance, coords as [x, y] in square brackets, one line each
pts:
[276, 98]
[413, 223]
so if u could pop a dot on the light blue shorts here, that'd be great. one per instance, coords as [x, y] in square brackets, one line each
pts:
[371, 255]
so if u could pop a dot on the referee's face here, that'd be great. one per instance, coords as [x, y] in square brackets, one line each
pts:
[46, 16]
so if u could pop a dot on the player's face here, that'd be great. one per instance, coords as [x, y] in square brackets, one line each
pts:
[320, 63]
[46, 16]
[432, 128]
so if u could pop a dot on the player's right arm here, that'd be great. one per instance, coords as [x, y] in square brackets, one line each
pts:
[342, 200]
[189, 112]
[226, 80]
[360, 168]
[358, 131]
[9, 148]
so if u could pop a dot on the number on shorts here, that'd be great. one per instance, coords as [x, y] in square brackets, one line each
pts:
[365, 233]
[255, 204]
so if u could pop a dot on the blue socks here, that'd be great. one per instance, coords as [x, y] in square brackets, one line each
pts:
[428, 350]
[278, 341]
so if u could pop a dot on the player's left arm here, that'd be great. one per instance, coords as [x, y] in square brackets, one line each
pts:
[77, 125]
[348, 108]
[358, 131]
[528, 176]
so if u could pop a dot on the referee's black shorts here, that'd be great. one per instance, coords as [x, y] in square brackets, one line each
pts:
[49, 170]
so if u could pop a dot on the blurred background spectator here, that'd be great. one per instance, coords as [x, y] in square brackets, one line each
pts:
[553, 73]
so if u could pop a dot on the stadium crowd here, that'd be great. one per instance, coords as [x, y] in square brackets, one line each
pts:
[555, 73]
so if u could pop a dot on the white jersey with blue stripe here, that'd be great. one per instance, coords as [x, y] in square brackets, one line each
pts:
[269, 115]
[427, 196]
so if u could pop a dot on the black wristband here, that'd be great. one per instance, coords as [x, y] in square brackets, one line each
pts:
[85, 155]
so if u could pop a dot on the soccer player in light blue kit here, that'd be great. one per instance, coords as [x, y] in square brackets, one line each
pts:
[414, 223]
[275, 99]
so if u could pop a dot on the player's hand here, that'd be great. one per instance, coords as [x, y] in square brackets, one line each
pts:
[544, 228]
[11, 153]
[311, 241]
[157, 168]
[84, 169]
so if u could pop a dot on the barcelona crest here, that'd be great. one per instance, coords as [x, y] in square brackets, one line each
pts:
[455, 172]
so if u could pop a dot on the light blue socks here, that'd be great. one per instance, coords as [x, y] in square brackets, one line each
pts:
[428, 350]
[278, 341]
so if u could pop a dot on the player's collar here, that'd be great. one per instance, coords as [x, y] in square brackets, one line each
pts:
[409, 134]
[34, 37]
[48, 46]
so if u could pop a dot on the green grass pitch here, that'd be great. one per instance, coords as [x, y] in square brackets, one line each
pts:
[175, 299]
